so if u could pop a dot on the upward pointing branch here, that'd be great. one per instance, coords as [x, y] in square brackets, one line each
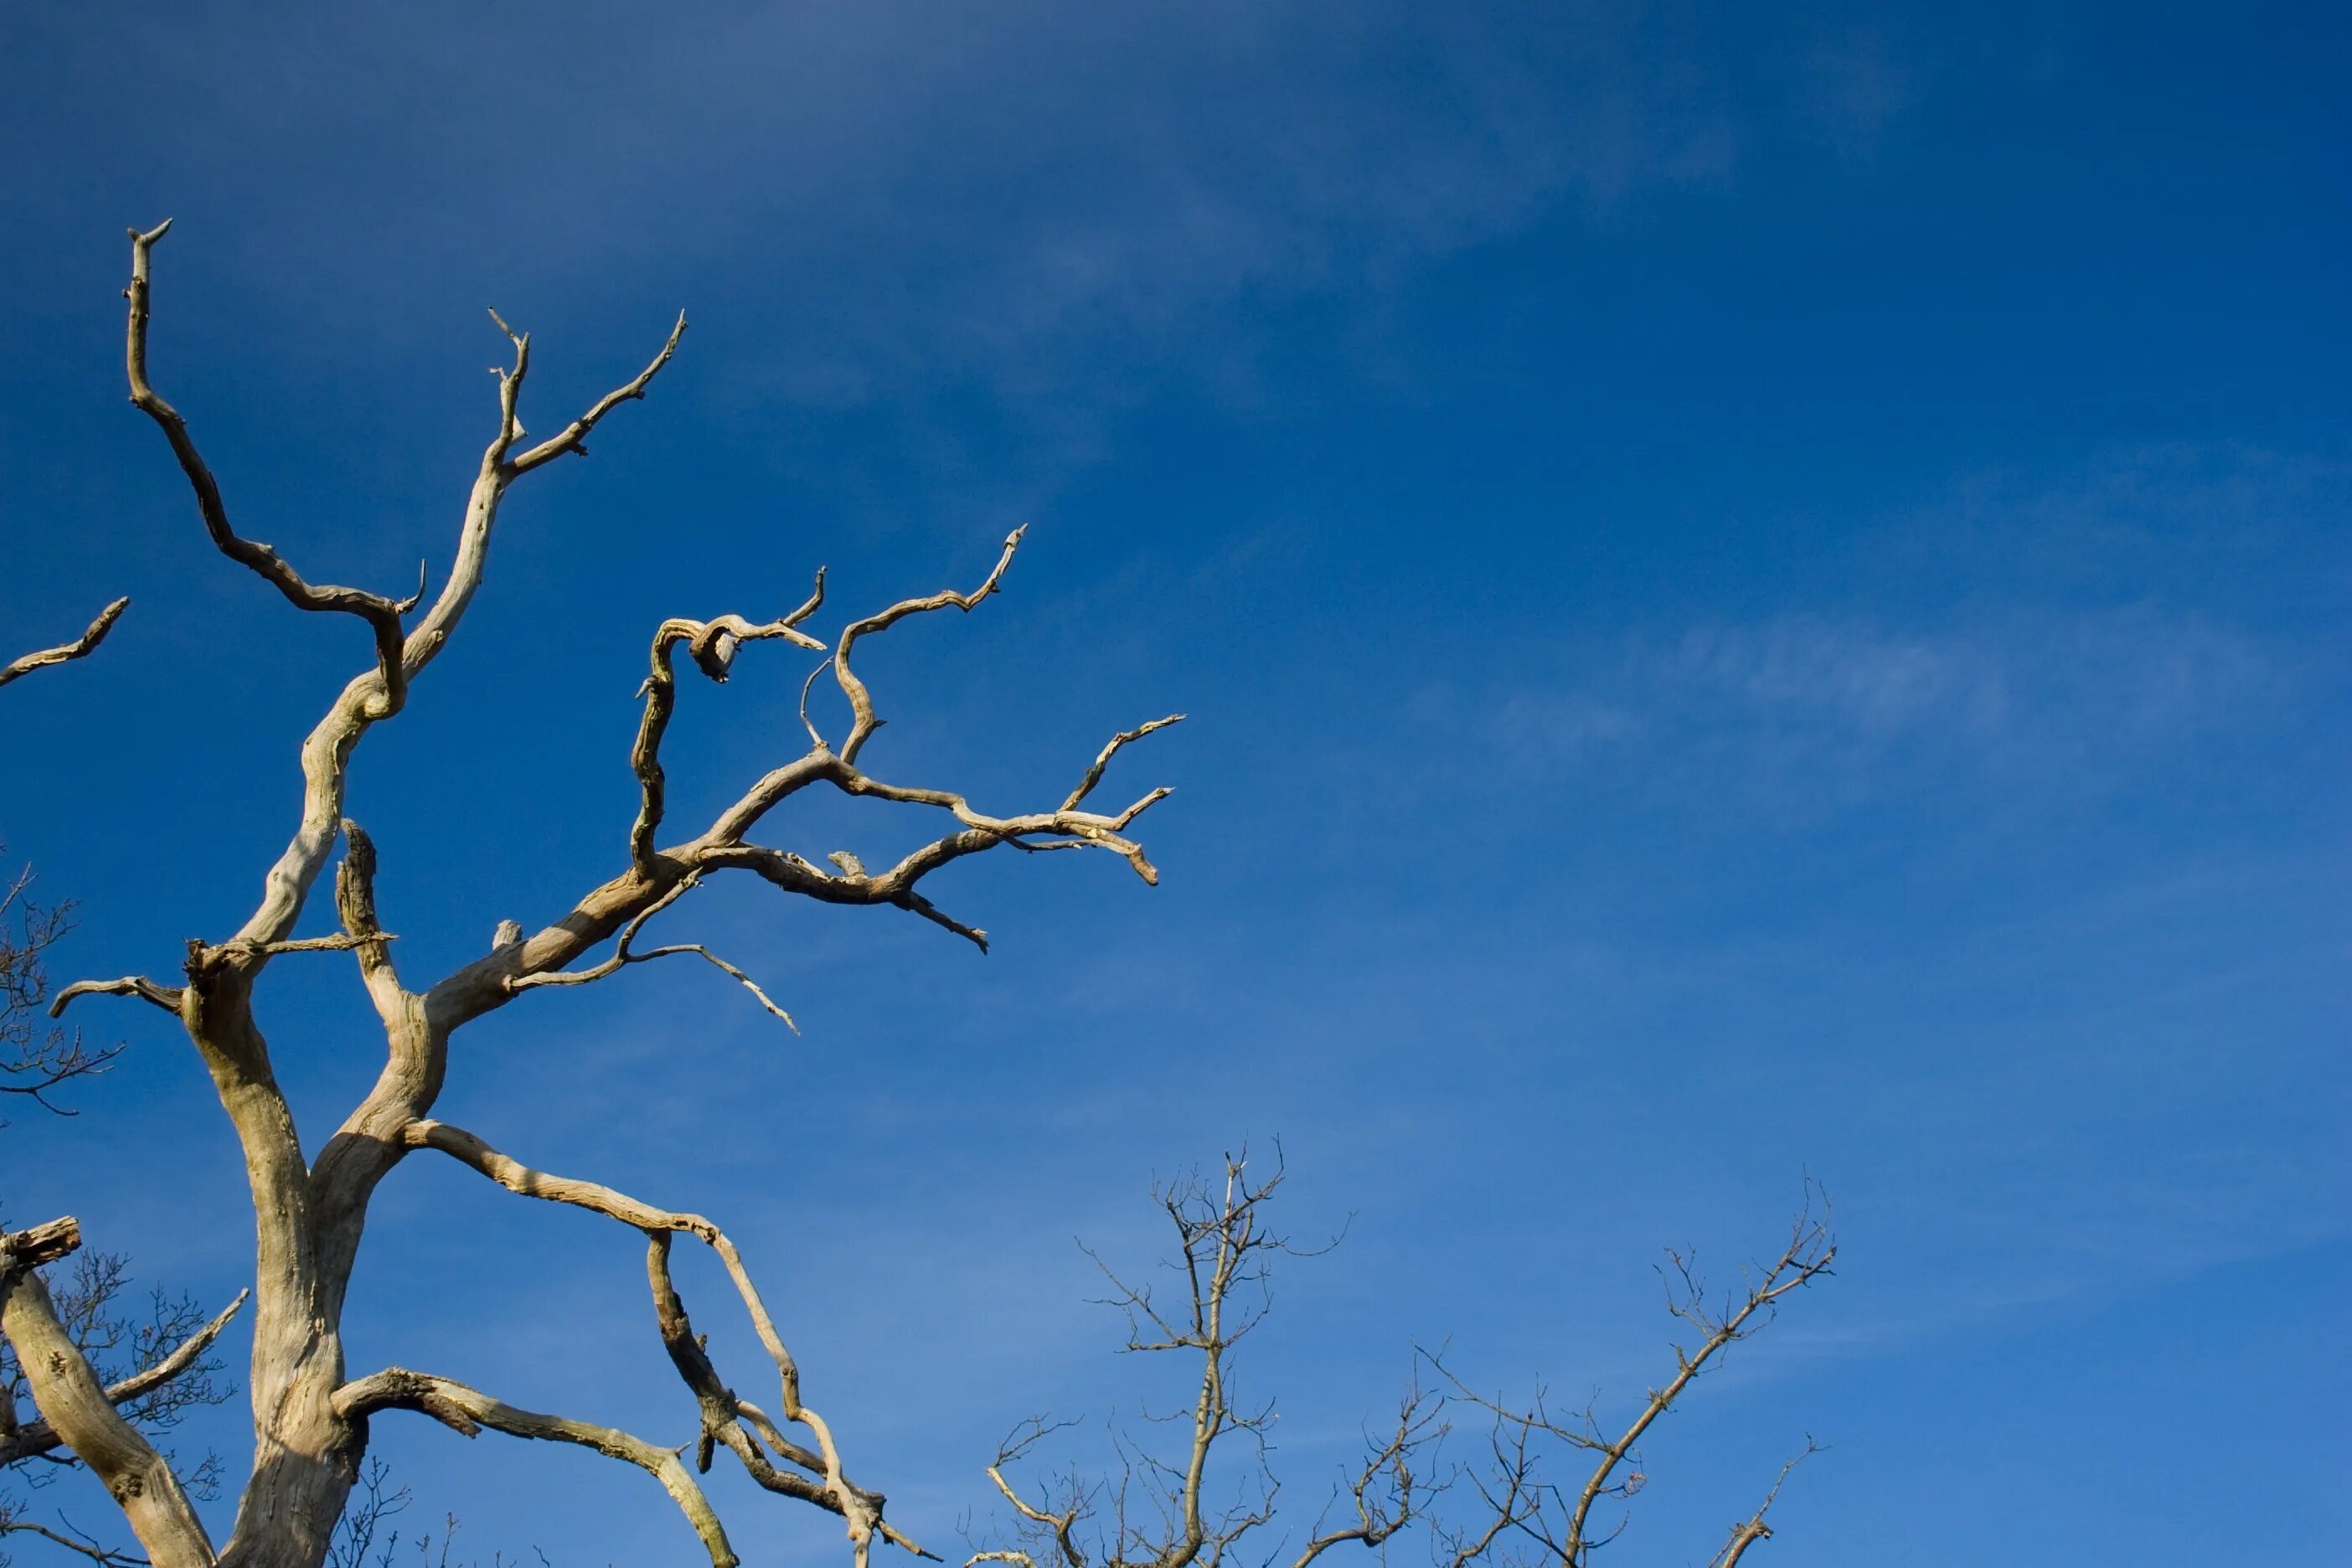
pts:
[381, 614]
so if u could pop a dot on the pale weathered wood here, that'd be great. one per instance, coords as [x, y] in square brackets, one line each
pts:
[311, 1212]
[80, 1412]
[80, 648]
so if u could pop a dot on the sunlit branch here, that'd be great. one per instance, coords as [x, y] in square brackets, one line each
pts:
[467, 1410]
[41, 658]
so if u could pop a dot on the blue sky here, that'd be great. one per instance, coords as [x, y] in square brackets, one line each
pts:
[1761, 592]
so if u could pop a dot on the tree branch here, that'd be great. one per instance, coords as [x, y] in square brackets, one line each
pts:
[36, 1438]
[574, 435]
[1810, 1252]
[467, 1410]
[711, 644]
[167, 997]
[74, 1406]
[1753, 1529]
[724, 1414]
[860, 1514]
[40, 658]
[624, 956]
[105, 1556]
[863, 723]
[381, 614]
[356, 906]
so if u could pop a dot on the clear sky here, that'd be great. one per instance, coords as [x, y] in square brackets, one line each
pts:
[1762, 589]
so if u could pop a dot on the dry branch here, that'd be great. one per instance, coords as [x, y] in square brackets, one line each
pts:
[80, 648]
[77, 1407]
[467, 1410]
[381, 614]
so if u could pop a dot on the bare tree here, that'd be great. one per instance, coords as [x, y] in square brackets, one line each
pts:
[36, 1056]
[311, 1204]
[1178, 1509]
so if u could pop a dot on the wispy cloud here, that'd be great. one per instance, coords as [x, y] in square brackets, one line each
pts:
[2069, 634]
[1002, 189]
[1808, 702]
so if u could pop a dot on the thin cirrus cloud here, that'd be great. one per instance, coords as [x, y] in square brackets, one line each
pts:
[1805, 700]
[996, 186]
[2149, 653]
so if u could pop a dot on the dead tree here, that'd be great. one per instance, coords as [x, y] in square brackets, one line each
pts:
[1180, 1508]
[311, 1203]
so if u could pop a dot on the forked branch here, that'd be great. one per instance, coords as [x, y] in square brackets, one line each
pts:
[859, 1509]
[1525, 1505]
[573, 437]
[656, 875]
[77, 1408]
[467, 1411]
[1753, 1529]
[711, 644]
[624, 955]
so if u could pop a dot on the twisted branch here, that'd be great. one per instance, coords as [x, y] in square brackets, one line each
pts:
[711, 644]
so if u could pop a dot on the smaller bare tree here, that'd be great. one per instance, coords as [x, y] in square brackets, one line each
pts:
[1179, 1510]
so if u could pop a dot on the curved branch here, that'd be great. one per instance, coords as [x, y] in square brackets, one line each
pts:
[623, 956]
[573, 437]
[1125, 737]
[40, 658]
[467, 1410]
[711, 644]
[856, 1507]
[1383, 1492]
[167, 997]
[381, 614]
[861, 701]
